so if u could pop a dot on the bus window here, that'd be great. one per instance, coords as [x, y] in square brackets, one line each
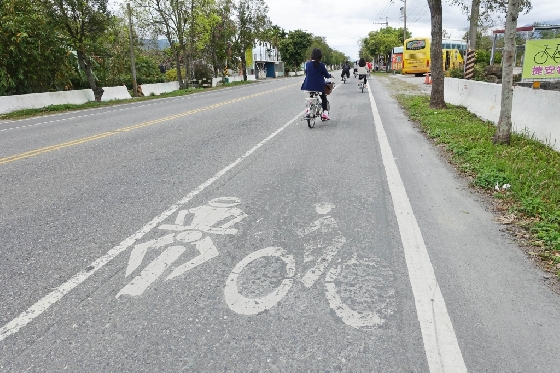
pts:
[415, 45]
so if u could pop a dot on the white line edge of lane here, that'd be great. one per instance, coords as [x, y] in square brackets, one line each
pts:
[54, 296]
[440, 342]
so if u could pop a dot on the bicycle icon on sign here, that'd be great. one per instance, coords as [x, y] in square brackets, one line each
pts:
[542, 57]
[218, 217]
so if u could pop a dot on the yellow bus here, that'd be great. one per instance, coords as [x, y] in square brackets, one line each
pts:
[416, 55]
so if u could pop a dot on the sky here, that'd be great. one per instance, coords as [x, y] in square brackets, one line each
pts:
[343, 23]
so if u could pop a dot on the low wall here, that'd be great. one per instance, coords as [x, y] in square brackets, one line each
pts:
[115, 93]
[159, 88]
[77, 97]
[534, 112]
[40, 100]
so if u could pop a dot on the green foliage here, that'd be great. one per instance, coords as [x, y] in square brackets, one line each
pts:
[294, 48]
[383, 41]
[33, 57]
[330, 56]
[251, 21]
[171, 74]
[531, 168]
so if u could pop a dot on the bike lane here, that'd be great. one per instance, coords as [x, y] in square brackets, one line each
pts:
[306, 217]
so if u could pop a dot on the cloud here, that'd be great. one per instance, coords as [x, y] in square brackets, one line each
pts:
[343, 23]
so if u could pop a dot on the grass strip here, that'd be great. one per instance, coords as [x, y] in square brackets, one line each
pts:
[531, 168]
[53, 109]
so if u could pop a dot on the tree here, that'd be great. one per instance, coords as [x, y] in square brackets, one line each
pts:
[250, 21]
[221, 36]
[481, 12]
[33, 52]
[382, 42]
[437, 100]
[294, 48]
[503, 130]
[84, 22]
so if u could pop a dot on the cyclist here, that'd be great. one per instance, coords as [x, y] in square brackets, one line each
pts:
[345, 70]
[315, 75]
[355, 68]
[362, 70]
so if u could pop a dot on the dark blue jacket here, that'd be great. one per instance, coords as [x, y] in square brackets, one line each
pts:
[315, 77]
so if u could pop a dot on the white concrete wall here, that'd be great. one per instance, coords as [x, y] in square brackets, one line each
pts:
[159, 88]
[77, 97]
[115, 93]
[40, 100]
[535, 112]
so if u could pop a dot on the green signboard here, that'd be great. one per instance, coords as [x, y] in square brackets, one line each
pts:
[542, 59]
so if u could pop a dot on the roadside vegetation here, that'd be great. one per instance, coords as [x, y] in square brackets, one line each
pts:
[55, 109]
[523, 177]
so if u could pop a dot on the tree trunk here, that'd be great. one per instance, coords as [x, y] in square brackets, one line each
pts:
[475, 15]
[179, 74]
[243, 66]
[85, 65]
[437, 100]
[503, 130]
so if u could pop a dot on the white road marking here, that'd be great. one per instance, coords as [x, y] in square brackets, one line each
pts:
[152, 272]
[44, 303]
[253, 306]
[348, 316]
[322, 225]
[207, 251]
[137, 254]
[440, 342]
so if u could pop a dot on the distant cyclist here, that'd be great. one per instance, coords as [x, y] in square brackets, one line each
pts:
[315, 75]
[362, 70]
[355, 68]
[345, 70]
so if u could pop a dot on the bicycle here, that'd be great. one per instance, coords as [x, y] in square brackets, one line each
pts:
[544, 55]
[361, 85]
[314, 109]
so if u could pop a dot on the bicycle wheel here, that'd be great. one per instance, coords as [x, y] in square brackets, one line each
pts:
[311, 122]
[541, 57]
[556, 56]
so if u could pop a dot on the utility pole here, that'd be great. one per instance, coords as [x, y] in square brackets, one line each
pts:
[404, 16]
[132, 59]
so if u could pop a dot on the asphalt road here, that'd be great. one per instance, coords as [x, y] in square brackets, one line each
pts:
[217, 232]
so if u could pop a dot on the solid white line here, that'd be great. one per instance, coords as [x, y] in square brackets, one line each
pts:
[442, 349]
[42, 305]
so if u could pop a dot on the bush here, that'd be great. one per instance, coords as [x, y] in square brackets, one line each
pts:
[202, 71]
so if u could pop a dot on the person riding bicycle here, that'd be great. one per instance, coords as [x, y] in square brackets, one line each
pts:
[345, 70]
[355, 68]
[362, 70]
[315, 75]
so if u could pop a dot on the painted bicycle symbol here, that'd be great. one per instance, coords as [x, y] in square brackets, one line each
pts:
[217, 217]
[326, 225]
[542, 57]
[323, 238]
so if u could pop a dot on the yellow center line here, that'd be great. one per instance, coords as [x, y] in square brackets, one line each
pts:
[51, 148]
